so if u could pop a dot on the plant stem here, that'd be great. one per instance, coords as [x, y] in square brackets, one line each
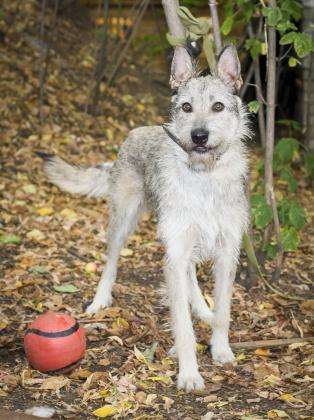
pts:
[216, 27]
[270, 137]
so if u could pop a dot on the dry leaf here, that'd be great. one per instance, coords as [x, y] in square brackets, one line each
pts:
[105, 411]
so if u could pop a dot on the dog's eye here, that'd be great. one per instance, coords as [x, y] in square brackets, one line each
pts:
[187, 107]
[218, 106]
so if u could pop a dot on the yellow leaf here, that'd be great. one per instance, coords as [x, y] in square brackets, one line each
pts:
[139, 355]
[201, 348]
[29, 189]
[45, 211]
[105, 411]
[91, 268]
[126, 252]
[35, 235]
[274, 414]
[272, 380]
[104, 393]
[290, 399]
[164, 379]
[69, 214]
[240, 357]
[262, 352]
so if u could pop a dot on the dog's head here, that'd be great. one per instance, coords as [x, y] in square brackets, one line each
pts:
[207, 116]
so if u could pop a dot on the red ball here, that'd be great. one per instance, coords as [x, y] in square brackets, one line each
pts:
[54, 341]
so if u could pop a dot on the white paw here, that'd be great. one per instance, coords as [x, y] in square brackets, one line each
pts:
[190, 381]
[97, 304]
[222, 354]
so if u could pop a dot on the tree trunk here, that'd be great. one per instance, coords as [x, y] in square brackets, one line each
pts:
[216, 27]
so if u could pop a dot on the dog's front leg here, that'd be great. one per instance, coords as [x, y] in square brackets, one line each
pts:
[176, 273]
[224, 273]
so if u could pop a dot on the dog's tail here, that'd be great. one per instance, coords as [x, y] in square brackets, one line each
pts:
[92, 181]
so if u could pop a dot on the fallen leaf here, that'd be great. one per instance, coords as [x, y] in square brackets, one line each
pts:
[274, 414]
[10, 239]
[65, 288]
[263, 352]
[105, 411]
[45, 211]
[126, 252]
[36, 235]
[55, 383]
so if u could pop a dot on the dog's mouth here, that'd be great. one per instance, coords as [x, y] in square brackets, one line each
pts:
[204, 149]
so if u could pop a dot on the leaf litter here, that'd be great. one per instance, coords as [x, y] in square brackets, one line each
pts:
[53, 247]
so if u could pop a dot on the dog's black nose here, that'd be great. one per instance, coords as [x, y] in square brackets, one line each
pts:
[199, 136]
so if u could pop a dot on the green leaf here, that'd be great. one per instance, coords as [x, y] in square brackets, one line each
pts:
[174, 41]
[273, 15]
[284, 26]
[271, 250]
[65, 288]
[293, 62]
[303, 44]
[290, 238]
[288, 38]
[285, 149]
[10, 239]
[227, 25]
[253, 106]
[309, 164]
[208, 47]
[287, 176]
[186, 15]
[254, 46]
[293, 8]
[261, 211]
[297, 216]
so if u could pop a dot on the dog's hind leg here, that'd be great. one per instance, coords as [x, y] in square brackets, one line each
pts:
[125, 208]
[198, 303]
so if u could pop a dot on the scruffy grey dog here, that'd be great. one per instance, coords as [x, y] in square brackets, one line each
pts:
[191, 173]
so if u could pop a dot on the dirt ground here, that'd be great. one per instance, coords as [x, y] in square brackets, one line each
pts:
[49, 239]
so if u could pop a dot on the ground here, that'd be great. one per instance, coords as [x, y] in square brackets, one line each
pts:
[51, 239]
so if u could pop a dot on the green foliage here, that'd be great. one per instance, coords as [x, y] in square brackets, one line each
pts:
[10, 239]
[290, 238]
[253, 106]
[285, 150]
[309, 164]
[261, 211]
[226, 27]
[255, 47]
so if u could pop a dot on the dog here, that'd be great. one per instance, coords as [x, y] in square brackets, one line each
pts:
[191, 173]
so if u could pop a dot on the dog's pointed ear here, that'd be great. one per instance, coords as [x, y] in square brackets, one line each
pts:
[181, 67]
[229, 68]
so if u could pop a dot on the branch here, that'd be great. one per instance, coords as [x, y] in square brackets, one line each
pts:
[270, 343]
[144, 5]
[216, 27]
[270, 137]
[258, 86]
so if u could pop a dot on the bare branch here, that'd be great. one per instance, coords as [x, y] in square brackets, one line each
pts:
[270, 137]
[216, 27]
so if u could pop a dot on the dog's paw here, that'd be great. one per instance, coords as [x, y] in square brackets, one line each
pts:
[222, 355]
[190, 381]
[96, 305]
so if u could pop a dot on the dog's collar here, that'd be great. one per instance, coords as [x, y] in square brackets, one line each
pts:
[173, 137]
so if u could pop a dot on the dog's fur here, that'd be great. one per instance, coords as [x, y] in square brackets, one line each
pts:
[197, 196]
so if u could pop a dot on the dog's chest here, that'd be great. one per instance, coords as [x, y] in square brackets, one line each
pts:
[197, 203]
